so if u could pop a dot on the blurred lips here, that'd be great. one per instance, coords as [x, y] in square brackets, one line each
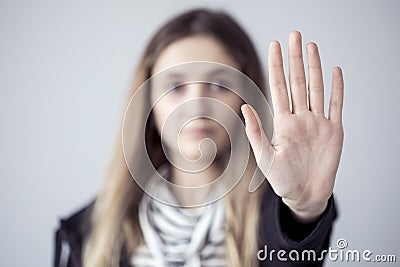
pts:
[199, 131]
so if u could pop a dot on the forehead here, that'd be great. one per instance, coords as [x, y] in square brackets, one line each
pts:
[194, 48]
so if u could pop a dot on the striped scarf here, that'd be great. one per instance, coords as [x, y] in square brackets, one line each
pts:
[180, 237]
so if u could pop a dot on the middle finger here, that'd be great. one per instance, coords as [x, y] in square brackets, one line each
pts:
[297, 76]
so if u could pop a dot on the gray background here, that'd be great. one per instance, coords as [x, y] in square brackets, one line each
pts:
[65, 70]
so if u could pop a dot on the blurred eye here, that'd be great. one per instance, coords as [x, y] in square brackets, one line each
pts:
[175, 86]
[219, 86]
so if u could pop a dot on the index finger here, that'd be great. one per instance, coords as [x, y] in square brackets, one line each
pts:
[277, 81]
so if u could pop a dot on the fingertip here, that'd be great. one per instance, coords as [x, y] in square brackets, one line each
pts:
[337, 73]
[295, 35]
[244, 108]
[249, 113]
[338, 70]
[311, 46]
[274, 46]
[274, 53]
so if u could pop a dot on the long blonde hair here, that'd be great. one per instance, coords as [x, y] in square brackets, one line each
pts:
[115, 224]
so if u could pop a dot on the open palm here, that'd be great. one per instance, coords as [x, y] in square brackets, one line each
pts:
[307, 146]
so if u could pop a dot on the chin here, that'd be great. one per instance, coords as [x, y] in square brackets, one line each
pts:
[194, 154]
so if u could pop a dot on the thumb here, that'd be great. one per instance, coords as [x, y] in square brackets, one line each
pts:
[262, 149]
[258, 140]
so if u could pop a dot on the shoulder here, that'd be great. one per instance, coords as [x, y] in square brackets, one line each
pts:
[70, 235]
[78, 221]
[75, 227]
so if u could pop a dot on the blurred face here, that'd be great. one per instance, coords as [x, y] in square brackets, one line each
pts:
[187, 114]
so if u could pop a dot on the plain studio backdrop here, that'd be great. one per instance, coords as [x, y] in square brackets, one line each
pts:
[65, 72]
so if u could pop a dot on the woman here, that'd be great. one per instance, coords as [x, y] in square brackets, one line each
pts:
[124, 227]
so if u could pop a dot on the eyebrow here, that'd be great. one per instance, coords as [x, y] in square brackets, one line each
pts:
[213, 72]
[174, 75]
[218, 71]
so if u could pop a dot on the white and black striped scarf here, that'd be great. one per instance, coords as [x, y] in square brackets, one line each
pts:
[180, 237]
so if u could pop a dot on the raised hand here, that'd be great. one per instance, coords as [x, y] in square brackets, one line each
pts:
[306, 146]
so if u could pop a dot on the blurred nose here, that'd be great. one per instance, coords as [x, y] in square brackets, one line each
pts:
[196, 93]
[196, 90]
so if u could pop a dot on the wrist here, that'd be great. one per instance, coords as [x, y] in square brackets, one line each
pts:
[305, 212]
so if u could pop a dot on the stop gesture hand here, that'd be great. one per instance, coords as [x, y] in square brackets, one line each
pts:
[306, 146]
